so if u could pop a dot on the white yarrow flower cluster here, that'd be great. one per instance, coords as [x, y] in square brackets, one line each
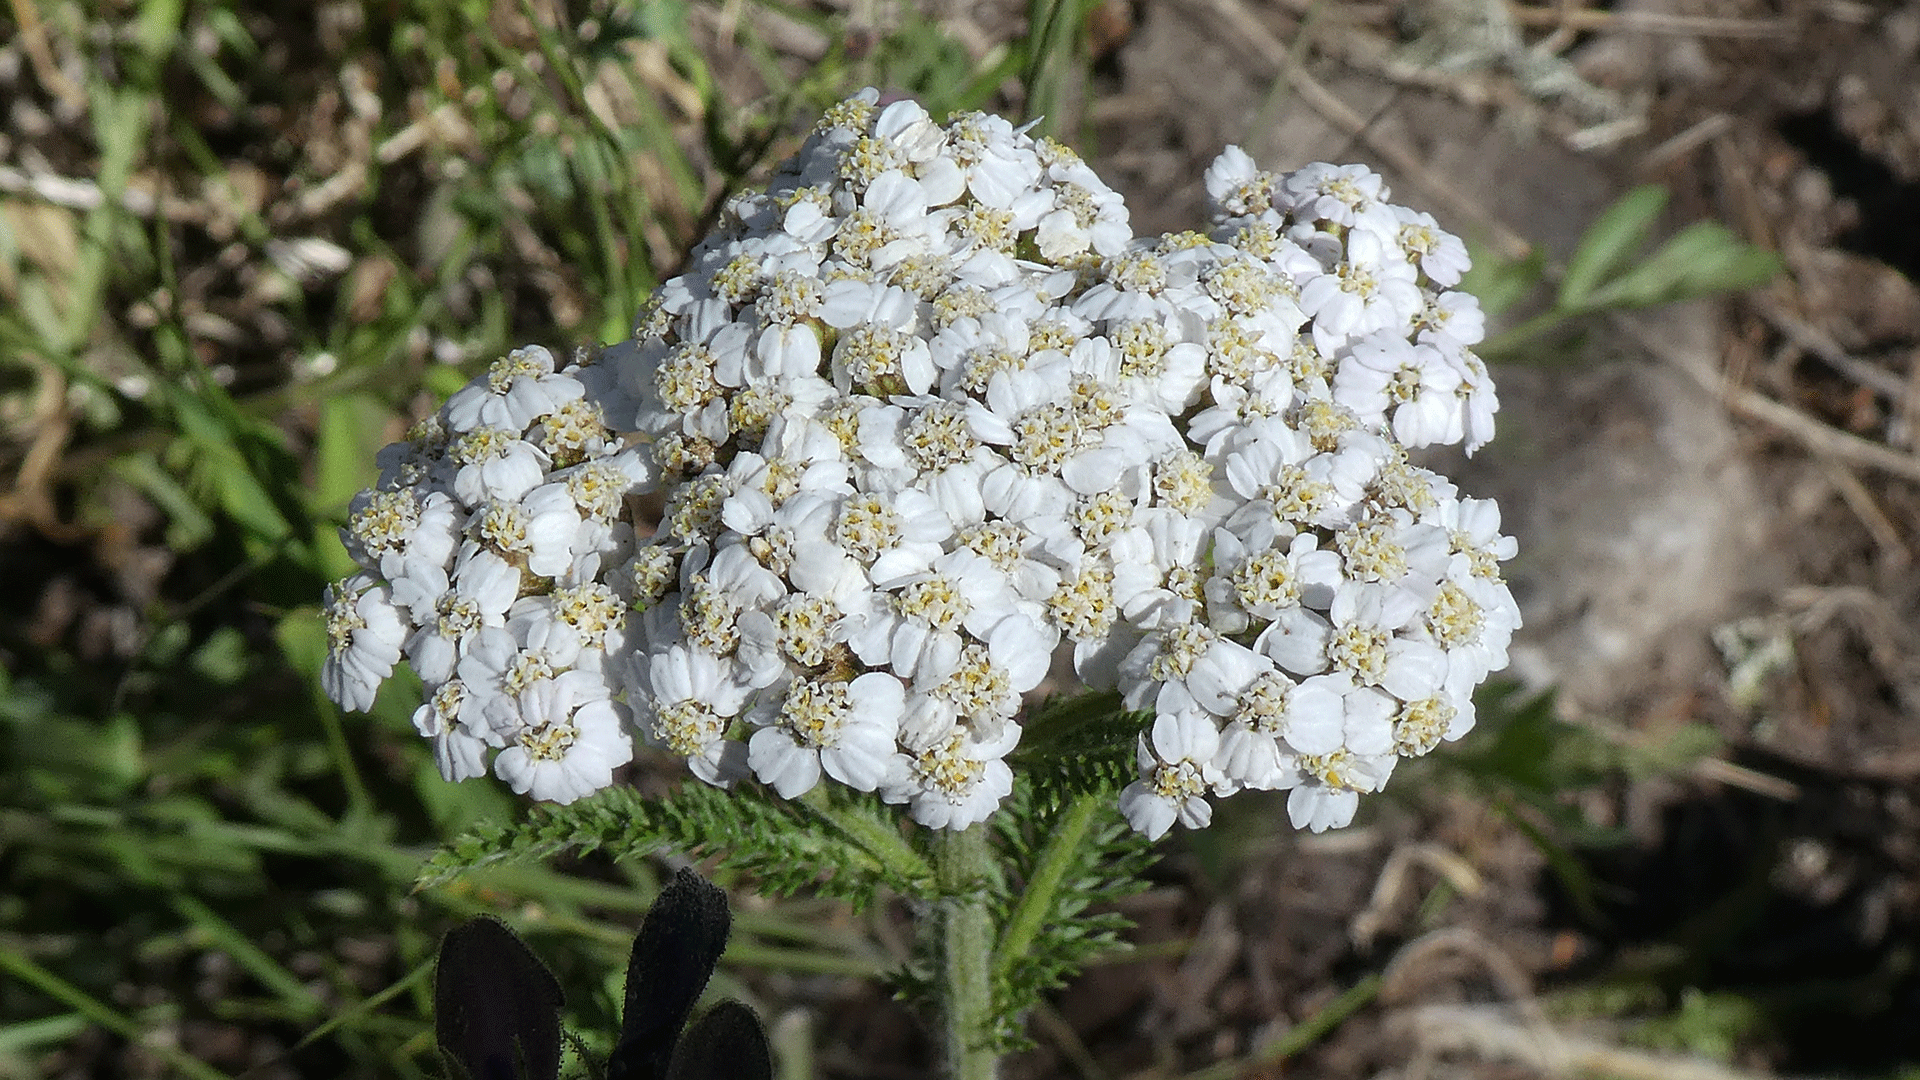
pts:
[923, 414]
[485, 546]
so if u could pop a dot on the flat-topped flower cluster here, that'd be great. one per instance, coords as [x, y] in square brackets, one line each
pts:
[924, 415]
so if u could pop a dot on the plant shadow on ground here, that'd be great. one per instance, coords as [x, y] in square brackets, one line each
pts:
[1805, 908]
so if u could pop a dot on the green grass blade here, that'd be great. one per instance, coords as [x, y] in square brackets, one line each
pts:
[96, 1011]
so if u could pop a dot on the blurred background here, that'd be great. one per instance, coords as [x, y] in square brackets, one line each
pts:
[245, 243]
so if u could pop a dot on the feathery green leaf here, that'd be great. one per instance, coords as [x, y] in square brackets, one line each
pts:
[782, 844]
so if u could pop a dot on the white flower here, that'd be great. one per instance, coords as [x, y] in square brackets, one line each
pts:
[1390, 547]
[1176, 771]
[459, 754]
[1236, 186]
[1349, 195]
[1364, 293]
[495, 464]
[919, 411]
[1473, 527]
[1479, 400]
[906, 124]
[484, 586]
[1269, 584]
[418, 462]
[802, 631]
[496, 670]
[798, 542]
[1439, 254]
[1286, 485]
[365, 633]
[845, 729]
[692, 697]
[1363, 645]
[1452, 319]
[1384, 375]
[518, 389]
[1158, 576]
[552, 529]
[917, 628]
[956, 780]
[1275, 721]
[1014, 550]
[572, 740]
[392, 532]
[1158, 667]
[1086, 216]
[715, 596]
[583, 622]
[759, 486]
[1319, 808]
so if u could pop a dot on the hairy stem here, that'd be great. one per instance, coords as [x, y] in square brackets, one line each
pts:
[964, 864]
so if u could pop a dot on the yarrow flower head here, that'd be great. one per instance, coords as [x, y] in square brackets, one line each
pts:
[922, 414]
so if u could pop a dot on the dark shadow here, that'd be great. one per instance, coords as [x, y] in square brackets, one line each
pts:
[1889, 228]
[1806, 908]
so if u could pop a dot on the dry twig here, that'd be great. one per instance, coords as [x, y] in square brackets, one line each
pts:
[1886, 535]
[1494, 1032]
[1821, 344]
[1535, 1031]
[1392, 884]
[1811, 433]
[1508, 243]
[1652, 22]
[33, 36]
[1704, 130]
[75, 193]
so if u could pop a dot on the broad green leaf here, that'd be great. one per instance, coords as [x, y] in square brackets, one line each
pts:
[1704, 259]
[1723, 263]
[1709, 1025]
[245, 499]
[1658, 278]
[352, 429]
[458, 808]
[1568, 870]
[659, 19]
[48, 1031]
[120, 124]
[1609, 242]
[157, 28]
[302, 637]
[216, 437]
[441, 380]
[223, 658]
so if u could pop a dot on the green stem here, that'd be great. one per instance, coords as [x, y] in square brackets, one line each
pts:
[1036, 900]
[963, 865]
[1502, 346]
[880, 838]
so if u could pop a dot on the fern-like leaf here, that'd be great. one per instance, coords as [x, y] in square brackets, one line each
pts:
[1102, 866]
[1083, 745]
[786, 846]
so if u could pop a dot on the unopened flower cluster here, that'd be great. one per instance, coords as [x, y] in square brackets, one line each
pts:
[919, 418]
